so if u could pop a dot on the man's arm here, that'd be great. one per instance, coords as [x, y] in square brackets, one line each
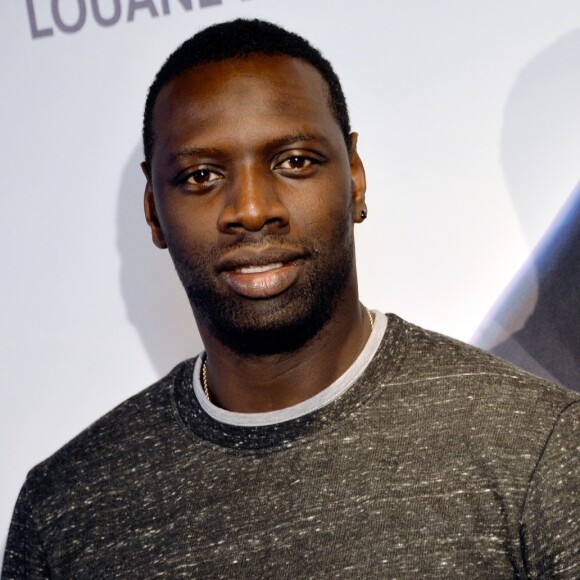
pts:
[551, 515]
[24, 556]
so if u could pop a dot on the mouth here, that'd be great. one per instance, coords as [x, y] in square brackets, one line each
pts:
[261, 273]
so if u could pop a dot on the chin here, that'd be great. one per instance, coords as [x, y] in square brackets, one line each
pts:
[277, 325]
[270, 328]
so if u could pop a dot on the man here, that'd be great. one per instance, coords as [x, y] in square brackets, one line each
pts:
[312, 438]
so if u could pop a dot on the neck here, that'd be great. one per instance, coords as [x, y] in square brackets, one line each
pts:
[272, 382]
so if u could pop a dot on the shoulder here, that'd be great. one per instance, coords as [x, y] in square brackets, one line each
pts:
[112, 441]
[460, 389]
[430, 356]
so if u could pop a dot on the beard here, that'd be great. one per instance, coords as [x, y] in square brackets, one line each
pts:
[283, 323]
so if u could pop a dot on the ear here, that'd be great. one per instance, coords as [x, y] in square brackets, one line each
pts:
[151, 211]
[359, 182]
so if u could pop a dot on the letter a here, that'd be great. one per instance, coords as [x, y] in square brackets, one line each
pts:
[138, 5]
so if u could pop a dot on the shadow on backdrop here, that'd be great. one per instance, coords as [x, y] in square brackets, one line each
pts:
[536, 322]
[154, 298]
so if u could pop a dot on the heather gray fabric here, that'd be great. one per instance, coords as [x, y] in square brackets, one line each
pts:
[439, 462]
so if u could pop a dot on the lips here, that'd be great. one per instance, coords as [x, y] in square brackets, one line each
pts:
[261, 273]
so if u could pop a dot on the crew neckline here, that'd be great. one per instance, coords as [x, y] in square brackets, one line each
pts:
[206, 430]
[318, 401]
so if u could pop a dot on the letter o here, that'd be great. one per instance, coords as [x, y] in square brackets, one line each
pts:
[63, 26]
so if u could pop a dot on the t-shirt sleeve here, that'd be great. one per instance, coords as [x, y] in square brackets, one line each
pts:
[551, 515]
[24, 556]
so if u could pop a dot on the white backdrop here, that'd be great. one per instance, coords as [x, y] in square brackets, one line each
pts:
[468, 118]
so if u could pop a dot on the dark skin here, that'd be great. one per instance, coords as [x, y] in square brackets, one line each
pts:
[252, 188]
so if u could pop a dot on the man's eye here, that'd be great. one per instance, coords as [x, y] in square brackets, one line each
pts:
[295, 162]
[201, 176]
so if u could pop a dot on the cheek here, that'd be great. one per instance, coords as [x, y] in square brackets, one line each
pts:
[336, 213]
[323, 205]
[186, 223]
[187, 243]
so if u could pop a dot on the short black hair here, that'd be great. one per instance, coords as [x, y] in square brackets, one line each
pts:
[238, 39]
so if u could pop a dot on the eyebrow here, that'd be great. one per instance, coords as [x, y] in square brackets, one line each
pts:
[297, 137]
[273, 144]
[192, 152]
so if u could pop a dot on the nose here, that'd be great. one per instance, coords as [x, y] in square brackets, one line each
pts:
[252, 202]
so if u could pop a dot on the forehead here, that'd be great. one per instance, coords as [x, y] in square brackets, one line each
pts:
[258, 93]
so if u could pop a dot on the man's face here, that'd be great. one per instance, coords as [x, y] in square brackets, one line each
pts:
[252, 189]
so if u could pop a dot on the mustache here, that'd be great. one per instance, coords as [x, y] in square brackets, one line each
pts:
[258, 240]
[262, 250]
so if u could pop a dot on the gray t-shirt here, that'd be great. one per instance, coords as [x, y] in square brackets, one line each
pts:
[436, 461]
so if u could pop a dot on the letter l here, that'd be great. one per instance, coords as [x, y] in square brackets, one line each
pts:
[36, 33]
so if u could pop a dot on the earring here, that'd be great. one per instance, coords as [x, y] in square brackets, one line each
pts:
[363, 214]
